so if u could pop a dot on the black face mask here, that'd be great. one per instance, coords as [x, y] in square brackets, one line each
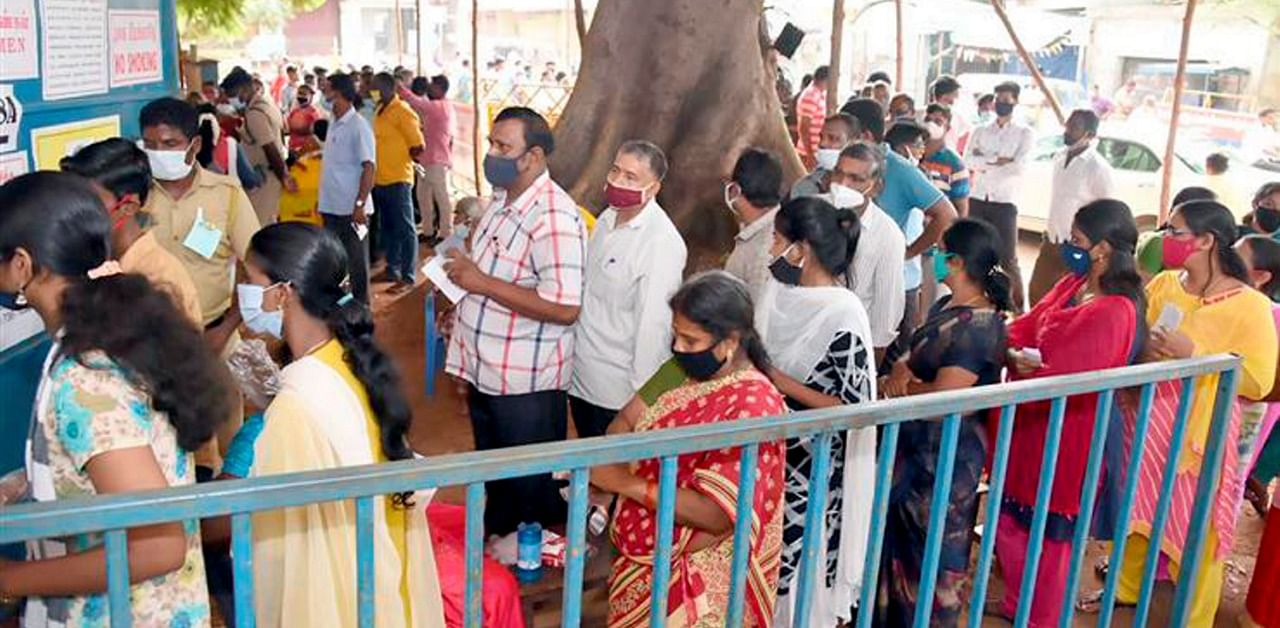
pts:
[303, 102]
[785, 272]
[699, 365]
[1267, 218]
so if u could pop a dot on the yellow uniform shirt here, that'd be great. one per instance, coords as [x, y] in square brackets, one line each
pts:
[302, 206]
[147, 258]
[222, 203]
[395, 130]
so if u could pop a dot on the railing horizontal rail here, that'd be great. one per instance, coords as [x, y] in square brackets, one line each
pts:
[31, 521]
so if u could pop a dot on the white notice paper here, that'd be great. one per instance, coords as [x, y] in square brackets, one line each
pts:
[18, 40]
[13, 165]
[74, 47]
[135, 47]
[434, 270]
[16, 327]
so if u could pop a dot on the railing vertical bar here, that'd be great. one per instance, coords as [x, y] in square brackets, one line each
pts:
[576, 551]
[1040, 518]
[937, 519]
[742, 532]
[1206, 491]
[1163, 505]
[242, 568]
[879, 510]
[813, 548]
[365, 582]
[1079, 538]
[666, 529]
[1106, 607]
[475, 555]
[429, 341]
[999, 467]
[117, 542]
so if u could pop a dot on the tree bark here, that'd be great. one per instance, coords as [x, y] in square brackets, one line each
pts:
[1175, 112]
[998, 6]
[580, 20]
[695, 77]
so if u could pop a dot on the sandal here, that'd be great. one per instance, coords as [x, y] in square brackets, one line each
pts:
[1256, 493]
[1090, 603]
[1102, 568]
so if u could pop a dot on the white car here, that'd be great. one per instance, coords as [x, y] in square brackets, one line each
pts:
[1138, 172]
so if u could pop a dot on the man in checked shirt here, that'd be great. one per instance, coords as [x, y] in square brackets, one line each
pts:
[512, 337]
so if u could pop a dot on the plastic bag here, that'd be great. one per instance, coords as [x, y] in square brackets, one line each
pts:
[256, 374]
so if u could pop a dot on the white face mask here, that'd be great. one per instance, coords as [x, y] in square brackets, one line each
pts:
[226, 109]
[827, 158]
[168, 165]
[936, 131]
[236, 103]
[843, 197]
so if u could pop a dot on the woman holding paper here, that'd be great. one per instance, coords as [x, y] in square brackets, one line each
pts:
[339, 405]
[1091, 320]
[1203, 306]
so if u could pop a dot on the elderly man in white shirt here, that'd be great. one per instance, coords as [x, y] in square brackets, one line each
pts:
[753, 194]
[877, 273]
[996, 155]
[635, 262]
[1080, 176]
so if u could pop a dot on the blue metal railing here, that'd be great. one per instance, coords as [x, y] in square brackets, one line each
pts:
[115, 514]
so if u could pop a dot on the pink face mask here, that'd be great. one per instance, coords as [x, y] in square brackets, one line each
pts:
[1175, 252]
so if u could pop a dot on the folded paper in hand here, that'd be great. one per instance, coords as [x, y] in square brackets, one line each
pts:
[434, 270]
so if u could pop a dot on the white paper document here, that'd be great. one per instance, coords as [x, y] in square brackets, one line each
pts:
[434, 270]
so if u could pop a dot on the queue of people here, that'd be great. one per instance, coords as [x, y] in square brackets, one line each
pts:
[862, 282]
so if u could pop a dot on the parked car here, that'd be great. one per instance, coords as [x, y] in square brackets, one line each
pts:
[1138, 172]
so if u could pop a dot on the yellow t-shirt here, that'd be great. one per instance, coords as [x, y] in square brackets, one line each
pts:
[302, 206]
[395, 130]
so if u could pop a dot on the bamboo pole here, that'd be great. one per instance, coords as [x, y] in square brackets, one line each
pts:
[475, 93]
[417, 33]
[580, 19]
[998, 5]
[1179, 84]
[837, 41]
[897, 78]
[399, 26]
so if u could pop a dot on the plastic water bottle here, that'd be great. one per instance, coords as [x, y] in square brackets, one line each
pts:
[529, 552]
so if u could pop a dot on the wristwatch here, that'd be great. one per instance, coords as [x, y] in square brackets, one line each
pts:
[360, 203]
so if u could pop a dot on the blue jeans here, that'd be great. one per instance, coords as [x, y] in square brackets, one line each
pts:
[393, 205]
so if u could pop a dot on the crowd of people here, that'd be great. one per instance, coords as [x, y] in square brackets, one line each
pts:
[889, 271]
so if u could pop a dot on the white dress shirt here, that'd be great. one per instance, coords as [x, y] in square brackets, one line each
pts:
[1084, 180]
[749, 260]
[876, 275]
[623, 333]
[992, 183]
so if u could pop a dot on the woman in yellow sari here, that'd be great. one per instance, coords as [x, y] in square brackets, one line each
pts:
[717, 374]
[339, 405]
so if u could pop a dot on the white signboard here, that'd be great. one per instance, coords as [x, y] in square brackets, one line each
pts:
[16, 327]
[12, 165]
[135, 47]
[18, 40]
[10, 119]
[74, 47]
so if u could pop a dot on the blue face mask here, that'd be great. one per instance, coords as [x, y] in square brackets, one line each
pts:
[940, 268]
[462, 231]
[259, 321]
[501, 172]
[1076, 259]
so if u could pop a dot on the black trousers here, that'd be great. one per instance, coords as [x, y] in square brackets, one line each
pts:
[590, 419]
[1004, 217]
[507, 421]
[357, 254]
[217, 566]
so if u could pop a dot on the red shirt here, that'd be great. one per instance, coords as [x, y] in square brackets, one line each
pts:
[299, 125]
[812, 105]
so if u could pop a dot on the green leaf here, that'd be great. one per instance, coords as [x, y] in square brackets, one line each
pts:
[232, 20]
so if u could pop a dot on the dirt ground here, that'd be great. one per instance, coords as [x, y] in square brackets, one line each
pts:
[441, 427]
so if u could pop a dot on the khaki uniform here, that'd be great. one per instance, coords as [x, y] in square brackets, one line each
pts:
[221, 202]
[147, 258]
[264, 126]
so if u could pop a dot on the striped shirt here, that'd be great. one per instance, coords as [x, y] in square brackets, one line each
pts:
[536, 241]
[812, 105]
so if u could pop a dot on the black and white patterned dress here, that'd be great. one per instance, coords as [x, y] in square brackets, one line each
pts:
[846, 371]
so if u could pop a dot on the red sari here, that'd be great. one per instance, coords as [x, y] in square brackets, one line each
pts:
[700, 578]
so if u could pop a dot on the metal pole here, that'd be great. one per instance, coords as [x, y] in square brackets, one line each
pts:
[475, 92]
[1179, 83]
[837, 39]
[998, 5]
[897, 79]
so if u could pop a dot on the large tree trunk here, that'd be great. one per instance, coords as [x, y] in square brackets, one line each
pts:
[695, 77]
